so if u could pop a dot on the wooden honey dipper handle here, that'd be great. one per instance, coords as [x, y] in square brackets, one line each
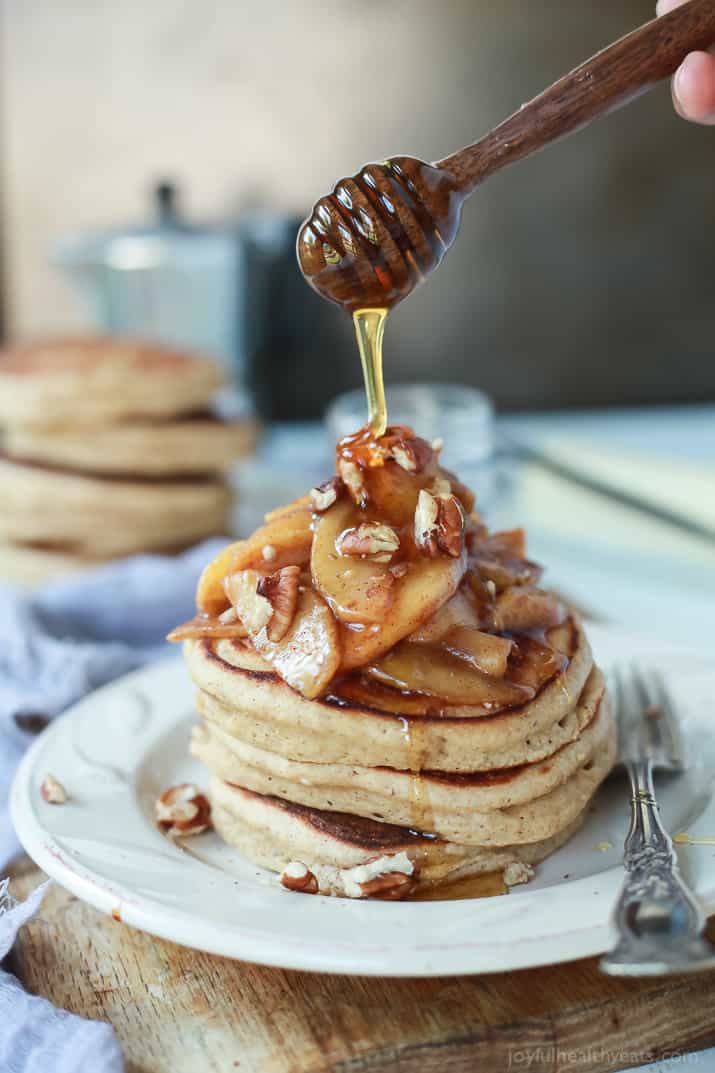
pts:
[603, 83]
[380, 232]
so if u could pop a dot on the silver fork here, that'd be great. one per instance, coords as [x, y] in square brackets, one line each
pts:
[660, 924]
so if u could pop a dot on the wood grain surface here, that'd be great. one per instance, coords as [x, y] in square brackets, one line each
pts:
[181, 1011]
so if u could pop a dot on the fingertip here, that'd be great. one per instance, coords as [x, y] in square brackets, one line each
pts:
[664, 6]
[694, 88]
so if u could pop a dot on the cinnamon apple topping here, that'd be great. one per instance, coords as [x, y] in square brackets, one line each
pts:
[383, 586]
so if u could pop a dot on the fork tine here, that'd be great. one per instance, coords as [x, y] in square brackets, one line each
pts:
[623, 696]
[640, 687]
[670, 723]
[655, 726]
[650, 727]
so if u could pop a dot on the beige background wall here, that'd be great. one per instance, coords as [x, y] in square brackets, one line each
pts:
[578, 275]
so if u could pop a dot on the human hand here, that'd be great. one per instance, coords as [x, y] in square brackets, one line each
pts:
[694, 81]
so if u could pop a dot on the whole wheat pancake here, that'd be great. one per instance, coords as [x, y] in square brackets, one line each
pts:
[95, 379]
[272, 832]
[459, 807]
[152, 448]
[248, 700]
[30, 565]
[100, 517]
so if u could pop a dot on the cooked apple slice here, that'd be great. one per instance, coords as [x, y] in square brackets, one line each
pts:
[205, 626]
[210, 597]
[506, 544]
[535, 663]
[484, 651]
[519, 609]
[458, 611]
[427, 585]
[427, 669]
[308, 654]
[392, 491]
[284, 541]
[357, 590]
[500, 559]
[367, 692]
[288, 508]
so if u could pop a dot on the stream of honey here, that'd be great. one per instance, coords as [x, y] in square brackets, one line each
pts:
[370, 329]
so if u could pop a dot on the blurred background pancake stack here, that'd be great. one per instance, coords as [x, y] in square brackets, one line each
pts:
[109, 447]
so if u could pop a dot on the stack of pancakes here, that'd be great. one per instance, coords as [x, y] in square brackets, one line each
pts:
[109, 447]
[385, 713]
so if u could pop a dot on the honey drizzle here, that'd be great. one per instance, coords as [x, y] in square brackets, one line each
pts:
[484, 885]
[369, 330]
[421, 814]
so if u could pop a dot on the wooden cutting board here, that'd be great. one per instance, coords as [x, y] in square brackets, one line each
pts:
[181, 1011]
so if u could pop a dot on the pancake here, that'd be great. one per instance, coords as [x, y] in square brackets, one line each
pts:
[30, 565]
[272, 832]
[248, 701]
[476, 808]
[158, 448]
[102, 517]
[97, 379]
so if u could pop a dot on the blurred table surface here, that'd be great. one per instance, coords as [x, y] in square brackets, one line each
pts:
[620, 564]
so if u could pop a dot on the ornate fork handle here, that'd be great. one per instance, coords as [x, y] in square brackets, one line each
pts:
[659, 923]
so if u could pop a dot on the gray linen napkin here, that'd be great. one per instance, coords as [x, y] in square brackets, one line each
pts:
[56, 645]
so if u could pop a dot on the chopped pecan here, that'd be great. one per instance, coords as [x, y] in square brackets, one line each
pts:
[298, 877]
[388, 877]
[440, 487]
[327, 493]
[517, 872]
[371, 540]
[389, 887]
[411, 455]
[52, 791]
[281, 591]
[439, 525]
[351, 475]
[182, 810]
[242, 590]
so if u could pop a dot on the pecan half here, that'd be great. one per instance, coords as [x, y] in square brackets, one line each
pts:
[439, 524]
[327, 493]
[389, 887]
[298, 877]
[281, 591]
[371, 540]
[182, 810]
[411, 455]
[52, 791]
[351, 475]
[389, 877]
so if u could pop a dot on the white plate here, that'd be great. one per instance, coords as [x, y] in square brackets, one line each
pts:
[120, 747]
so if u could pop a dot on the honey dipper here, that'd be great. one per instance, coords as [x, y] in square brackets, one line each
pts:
[382, 231]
